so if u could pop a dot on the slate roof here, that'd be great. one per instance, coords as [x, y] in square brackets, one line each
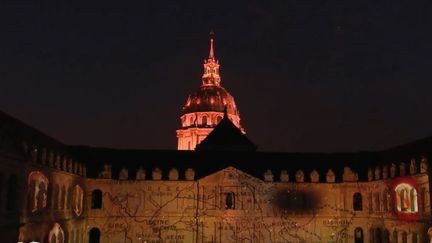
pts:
[226, 137]
[206, 161]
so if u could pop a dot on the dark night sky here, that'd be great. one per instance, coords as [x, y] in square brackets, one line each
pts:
[306, 75]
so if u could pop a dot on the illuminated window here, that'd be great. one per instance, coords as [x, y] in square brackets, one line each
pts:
[204, 120]
[406, 198]
[97, 199]
[38, 188]
[56, 234]
[229, 200]
[358, 235]
[357, 202]
[94, 235]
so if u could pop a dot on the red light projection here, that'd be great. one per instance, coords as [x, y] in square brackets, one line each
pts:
[406, 198]
[38, 187]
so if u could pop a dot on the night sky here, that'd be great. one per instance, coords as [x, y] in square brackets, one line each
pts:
[306, 75]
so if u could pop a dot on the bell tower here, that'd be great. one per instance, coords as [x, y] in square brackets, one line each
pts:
[204, 109]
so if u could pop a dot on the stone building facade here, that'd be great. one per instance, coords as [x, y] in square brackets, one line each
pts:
[54, 193]
[67, 194]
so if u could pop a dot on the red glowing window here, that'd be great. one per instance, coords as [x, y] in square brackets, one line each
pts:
[406, 198]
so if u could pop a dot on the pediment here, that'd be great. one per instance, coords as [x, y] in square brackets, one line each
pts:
[230, 175]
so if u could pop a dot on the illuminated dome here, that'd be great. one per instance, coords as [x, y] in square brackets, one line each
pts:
[205, 108]
[210, 98]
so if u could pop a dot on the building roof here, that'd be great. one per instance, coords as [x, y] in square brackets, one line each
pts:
[226, 137]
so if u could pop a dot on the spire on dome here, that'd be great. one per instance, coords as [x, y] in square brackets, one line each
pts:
[211, 54]
[211, 66]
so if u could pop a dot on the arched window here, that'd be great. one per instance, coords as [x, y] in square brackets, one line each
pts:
[96, 199]
[204, 120]
[357, 202]
[230, 200]
[37, 185]
[406, 196]
[56, 234]
[94, 235]
[12, 194]
[378, 235]
[358, 235]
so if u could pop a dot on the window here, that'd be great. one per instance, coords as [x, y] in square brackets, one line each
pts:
[406, 196]
[358, 235]
[37, 191]
[357, 202]
[204, 120]
[94, 235]
[96, 199]
[56, 234]
[378, 235]
[229, 200]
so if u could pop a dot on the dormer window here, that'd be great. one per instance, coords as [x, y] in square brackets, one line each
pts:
[230, 200]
